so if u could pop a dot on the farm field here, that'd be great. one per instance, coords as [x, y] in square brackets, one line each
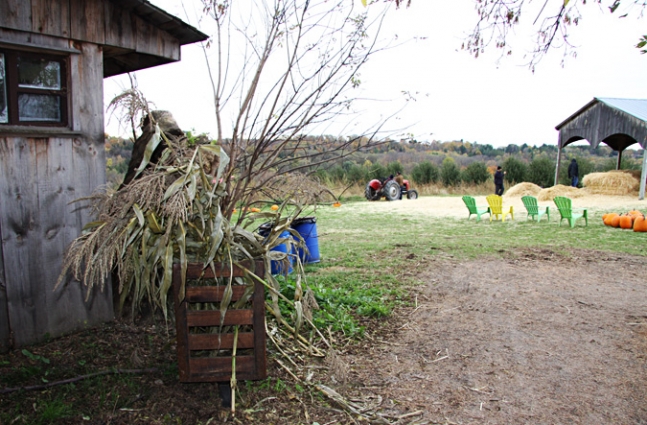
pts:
[447, 321]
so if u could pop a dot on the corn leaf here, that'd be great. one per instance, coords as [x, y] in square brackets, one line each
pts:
[150, 148]
[139, 213]
[168, 276]
[174, 187]
[181, 244]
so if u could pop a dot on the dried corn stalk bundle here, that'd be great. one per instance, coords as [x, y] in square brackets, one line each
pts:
[170, 213]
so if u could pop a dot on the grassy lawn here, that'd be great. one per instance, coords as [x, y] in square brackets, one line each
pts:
[369, 260]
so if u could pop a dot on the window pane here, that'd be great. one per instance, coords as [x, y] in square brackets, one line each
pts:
[39, 73]
[39, 107]
[4, 115]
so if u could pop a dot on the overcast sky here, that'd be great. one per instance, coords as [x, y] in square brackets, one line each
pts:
[483, 100]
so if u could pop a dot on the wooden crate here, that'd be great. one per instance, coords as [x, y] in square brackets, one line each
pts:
[209, 367]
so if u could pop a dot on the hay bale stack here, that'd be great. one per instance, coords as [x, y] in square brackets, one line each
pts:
[549, 193]
[611, 183]
[523, 189]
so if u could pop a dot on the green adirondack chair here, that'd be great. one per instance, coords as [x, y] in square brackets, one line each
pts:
[534, 210]
[567, 212]
[470, 202]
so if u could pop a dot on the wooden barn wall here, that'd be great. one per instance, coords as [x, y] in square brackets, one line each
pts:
[4, 311]
[96, 21]
[39, 177]
[601, 121]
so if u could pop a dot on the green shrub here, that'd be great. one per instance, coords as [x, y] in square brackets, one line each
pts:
[377, 171]
[357, 174]
[476, 173]
[424, 173]
[395, 167]
[541, 171]
[450, 174]
[515, 169]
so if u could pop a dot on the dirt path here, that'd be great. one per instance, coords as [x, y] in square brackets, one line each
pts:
[537, 338]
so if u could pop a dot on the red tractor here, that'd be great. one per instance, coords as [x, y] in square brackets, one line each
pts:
[389, 189]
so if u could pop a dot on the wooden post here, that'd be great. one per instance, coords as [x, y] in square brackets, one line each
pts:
[619, 160]
[643, 176]
[559, 157]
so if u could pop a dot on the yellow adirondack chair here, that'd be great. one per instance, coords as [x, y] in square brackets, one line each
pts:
[496, 208]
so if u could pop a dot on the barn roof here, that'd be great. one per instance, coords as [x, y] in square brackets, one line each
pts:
[617, 122]
[634, 107]
[179, 29]
[121, 59]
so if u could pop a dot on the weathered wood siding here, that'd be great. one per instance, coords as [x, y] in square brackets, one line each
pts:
[39, 176]
[5, 332]
[96, 21]
[601, 122]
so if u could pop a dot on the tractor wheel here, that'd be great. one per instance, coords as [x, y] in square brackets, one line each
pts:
[371, 194]
[412, 194]
[391, 190]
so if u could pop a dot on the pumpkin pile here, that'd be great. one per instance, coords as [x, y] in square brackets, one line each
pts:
[632, 220]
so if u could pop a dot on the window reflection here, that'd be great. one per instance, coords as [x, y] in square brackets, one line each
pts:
[4, 115]
[39, 73]
[38, 107]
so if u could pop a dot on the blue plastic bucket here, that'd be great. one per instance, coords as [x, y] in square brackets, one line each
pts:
[278, 266]
[307, 229]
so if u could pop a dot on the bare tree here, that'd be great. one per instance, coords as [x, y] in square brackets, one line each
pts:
[282, 70]
[552, 22]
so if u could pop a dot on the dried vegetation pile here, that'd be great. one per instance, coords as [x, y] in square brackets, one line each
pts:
[612, 183]
[549, 193]
[524, 189]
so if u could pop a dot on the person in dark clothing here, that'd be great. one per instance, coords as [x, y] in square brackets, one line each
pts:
[498, 181]
[574, 173]
[400, 180]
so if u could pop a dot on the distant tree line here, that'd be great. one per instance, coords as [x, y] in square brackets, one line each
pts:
[440, 163]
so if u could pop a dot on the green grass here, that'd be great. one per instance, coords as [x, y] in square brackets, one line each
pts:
[367, 258]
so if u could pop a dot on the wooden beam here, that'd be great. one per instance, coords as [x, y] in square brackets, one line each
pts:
[559, 157]
[619, 159]
[643, 176]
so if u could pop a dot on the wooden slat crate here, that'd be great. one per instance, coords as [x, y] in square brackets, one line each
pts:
[200, 355]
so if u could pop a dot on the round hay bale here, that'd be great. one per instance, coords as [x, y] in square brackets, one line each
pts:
[611, 183]
[523, 189]
[549, 193]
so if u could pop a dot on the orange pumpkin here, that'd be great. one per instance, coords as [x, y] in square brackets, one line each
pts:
[337, 204]
[615, 221]
[274, 207]
[635, 213]
[640, 224]
[608, 218]
[626, 222]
